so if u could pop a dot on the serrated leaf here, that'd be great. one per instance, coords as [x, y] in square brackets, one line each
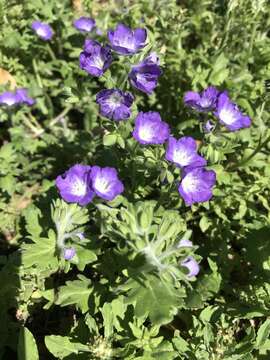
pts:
[155, 299]
[41, 254]
[75, 292]
[61, 346]
[27, 347]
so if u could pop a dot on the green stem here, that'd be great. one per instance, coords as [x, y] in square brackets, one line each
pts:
[39, 81]
[244, 161]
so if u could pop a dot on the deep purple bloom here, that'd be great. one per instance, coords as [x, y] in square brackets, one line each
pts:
[196, 185]
[185, 243]
[20, 96]
[191, 264]
[43, 30]
[75, 185]
[84, 24]
[125, 41]
[95, 59]
[105, 182]
[204, 101]
[114, 104]
[150, 129]
[229, 114]
[144, 76]
[69, 253]
[183, 152]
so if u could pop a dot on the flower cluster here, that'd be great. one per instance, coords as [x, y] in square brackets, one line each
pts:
[18, 97]
[96, 58]
[222, 107]
[81, 183]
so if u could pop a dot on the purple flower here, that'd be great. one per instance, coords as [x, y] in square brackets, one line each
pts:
[9, 98]
[144, 76]
[69, 253]
[80, 235]
[204, 101]
[196, 185]
[208, 126]
[105, 182]
[20, 96]
[23, 97]
[125, 41]
[185, 243]
[183, 152]
[43, 30]
[150, 129]
[75, 185]
[114, 104]
[95, 59]
[191, 264]
[229, 114]
[84, 24]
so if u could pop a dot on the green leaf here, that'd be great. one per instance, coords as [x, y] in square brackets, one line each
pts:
[109, 139]
[263, 334]
[61, 346]
[41, 254]
[75, 292]
[154, 298]
[27, 347]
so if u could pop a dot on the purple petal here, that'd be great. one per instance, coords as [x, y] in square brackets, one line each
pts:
[105, 182]
[84, 24]
[43, 30]
[114, 104]
[69, 253]
[191, 264]
[196, 185]
[183, 152]
[74, 185]
[150, 129]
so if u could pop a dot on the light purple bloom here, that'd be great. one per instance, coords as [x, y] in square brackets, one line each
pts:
[191, 264]
[204, 101]
[125, 41]
[229, 114]
[183, 152]
[43, 30]
[196, 185]
[69, 253]
[114, 104]
[20, 96]
[80, 235]
[144, 76]
[150, 129]
[105, 182]
[75, 185]
[185, 243]
[95, 59]
[9, 98]
[84, 24]
[208, 126]
[23, 97]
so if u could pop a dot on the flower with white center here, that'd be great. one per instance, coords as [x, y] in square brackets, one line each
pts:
[114, 104]
[105, 182]
[196, 185]
[183, 152]
[74, 185]
[150, 129]
[229, 114]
